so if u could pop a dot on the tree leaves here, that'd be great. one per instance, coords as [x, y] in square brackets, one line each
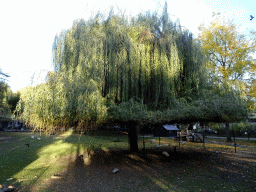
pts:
[227, 51]
[145, 70]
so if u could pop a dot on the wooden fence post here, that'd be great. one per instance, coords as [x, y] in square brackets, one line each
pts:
[234, 140]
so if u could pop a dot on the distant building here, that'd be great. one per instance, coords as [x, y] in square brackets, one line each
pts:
[165, 130]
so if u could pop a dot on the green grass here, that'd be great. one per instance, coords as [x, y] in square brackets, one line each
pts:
[209, 146]
[30, 166]
[249, 143]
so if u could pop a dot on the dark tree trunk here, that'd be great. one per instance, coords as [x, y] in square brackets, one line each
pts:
[129, 84]
[121, 87]
[133, 137]
[228, 132]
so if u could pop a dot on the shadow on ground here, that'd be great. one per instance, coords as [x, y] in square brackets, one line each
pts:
[150, 170]
[20, 160]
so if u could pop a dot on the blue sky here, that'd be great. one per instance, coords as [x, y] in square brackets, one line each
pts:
[28, 27]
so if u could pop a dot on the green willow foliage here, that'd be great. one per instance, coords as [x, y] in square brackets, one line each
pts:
[108, 70]
[63, 101]
[4, 109]
[148, 58]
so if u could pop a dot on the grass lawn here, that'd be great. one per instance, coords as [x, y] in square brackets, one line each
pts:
[190, 168]
[245, 142]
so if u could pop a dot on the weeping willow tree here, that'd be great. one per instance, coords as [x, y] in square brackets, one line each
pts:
[149, 59]
[145, 59]
[102, 63]
[61, 102]
[115, 70]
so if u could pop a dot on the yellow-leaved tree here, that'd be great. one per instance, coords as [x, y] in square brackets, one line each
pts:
[229, 56]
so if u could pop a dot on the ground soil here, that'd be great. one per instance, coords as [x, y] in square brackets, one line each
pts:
[133, 169]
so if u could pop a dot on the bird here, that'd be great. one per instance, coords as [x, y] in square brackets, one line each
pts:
[166, 154]
[39, 138]
[27, 144]
[251, 17]
[115, 170]
[153, 140]
[33, 137]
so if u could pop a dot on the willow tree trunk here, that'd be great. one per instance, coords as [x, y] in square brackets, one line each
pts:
[133, 137]
[228, 132]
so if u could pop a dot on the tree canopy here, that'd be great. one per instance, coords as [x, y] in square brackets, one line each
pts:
[229, 54]
[229, 59]
[145, 69]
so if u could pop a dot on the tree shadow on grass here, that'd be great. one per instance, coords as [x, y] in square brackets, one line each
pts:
[150, 170]
[20, 163]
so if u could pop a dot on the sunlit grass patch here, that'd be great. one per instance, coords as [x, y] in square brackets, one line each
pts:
[27, 163]
[57, 148]
[15, 156]
[40, 160]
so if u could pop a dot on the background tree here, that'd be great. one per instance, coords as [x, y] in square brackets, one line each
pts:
[228, 54]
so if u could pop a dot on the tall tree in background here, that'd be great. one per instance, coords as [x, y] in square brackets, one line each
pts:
[229, 55]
